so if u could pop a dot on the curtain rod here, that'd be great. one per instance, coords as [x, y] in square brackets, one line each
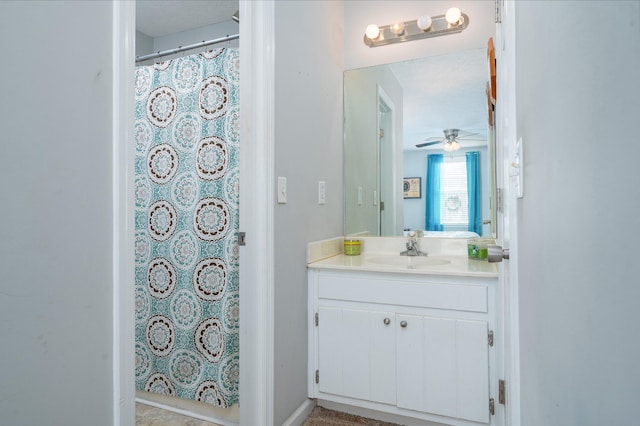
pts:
[179, 49]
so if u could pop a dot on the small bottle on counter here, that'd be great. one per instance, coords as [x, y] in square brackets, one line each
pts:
[352, 247]
[477, 248]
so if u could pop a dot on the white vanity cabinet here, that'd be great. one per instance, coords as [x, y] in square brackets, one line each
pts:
[409, 344]
[443, 366]
[360, 357]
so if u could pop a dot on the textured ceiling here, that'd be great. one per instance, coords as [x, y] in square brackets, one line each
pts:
[157, 18]
[443, 92]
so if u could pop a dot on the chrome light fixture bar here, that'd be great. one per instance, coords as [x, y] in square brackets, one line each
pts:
[452, 22]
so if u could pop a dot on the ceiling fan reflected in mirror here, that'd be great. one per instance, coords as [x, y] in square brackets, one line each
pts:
[451, 140]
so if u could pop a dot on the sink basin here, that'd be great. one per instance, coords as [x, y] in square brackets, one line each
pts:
[409, 261]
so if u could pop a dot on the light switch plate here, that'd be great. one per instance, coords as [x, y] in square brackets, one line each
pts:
[516, 171]
[322, 192]
[282, 190]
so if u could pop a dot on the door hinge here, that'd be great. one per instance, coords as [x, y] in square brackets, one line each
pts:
[492, 406]
[498, 11]
[500, 196]
[317, 376]
[490, 338]
[316, 318]
[381, 206]
[241, 238]
[501, 392]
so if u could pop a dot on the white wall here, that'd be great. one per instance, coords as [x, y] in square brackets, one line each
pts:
[578, 103]
[359, 14]
[308, 148]
[415, 165]
[56, 231]
[144, 44]
[362, 141]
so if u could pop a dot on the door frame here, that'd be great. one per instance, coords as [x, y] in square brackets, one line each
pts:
[506, 136]
[123, 257]
[257, 258]
[256, 170]
[386, 107]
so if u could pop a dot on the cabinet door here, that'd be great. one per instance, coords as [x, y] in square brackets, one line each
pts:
[410, 362]
[356, 354]
[443, 366]
[473, 370]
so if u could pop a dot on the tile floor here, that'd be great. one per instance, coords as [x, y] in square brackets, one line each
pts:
[147, 415]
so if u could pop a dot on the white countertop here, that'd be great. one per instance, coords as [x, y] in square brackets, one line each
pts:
[457, 266]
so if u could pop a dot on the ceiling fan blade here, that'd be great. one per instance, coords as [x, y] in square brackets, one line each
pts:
[432, 139]
[423, 144]
[471, 139]
[465, 134]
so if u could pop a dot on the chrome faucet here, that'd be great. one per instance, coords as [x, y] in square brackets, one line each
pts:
[413, 246]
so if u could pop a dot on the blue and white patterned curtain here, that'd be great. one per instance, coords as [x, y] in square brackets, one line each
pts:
[186, 200]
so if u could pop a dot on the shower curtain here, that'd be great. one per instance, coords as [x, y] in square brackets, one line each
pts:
[186, 221]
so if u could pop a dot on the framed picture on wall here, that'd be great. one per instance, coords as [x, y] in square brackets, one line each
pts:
[412, 187]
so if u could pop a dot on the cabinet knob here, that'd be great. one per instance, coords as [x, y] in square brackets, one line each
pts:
[386, 321]
[403, 324]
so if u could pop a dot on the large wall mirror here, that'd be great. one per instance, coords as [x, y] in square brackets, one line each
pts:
[392, 186]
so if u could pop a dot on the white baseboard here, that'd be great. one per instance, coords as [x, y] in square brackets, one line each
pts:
[300, 415]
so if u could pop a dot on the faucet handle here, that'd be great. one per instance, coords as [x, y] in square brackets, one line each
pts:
[411, 234]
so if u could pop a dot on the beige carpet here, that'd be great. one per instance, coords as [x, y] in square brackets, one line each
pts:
[324, 417]
[147, 415]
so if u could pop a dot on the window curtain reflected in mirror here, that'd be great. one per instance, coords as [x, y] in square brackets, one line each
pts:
[433, 220]
[474, 192]
[453, 193]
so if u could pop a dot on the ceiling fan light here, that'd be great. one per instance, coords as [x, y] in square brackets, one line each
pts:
[448, 147]
[455, 145]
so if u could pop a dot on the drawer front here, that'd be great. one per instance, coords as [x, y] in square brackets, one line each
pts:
[459, 297]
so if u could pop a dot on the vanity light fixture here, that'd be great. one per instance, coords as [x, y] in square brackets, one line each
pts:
[372, 31]
[454, 21]
[453, 16]
[397, 27]
[424, 22]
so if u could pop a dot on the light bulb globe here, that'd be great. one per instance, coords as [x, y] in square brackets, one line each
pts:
[453, 15]
[372, 31]
[424, 22]
[397, 27]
